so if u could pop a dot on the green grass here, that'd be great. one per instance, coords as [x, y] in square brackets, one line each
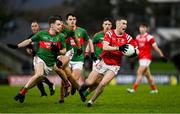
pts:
[160, 67]
[114, 99]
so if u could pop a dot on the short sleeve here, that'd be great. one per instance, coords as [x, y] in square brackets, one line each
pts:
[86, 37]
[36, 37]
[151, 39]
[107, 37]
[63, 43]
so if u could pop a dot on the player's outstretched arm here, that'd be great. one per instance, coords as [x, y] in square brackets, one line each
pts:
[20, 45]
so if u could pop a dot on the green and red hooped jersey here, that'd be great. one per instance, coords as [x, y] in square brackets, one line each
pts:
[97, 42]
[45, 51]
[83, 37]
[68, 32]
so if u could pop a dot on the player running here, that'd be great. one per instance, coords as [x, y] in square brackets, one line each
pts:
[114, 44]
[64, 92]
[52, 43]
[31, 49]
[145, 43]
[76, 56]
[98, 48]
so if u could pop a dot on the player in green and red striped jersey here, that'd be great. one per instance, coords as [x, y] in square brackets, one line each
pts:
[68, 32]
[31, 49]
[49, 43]
[97, 42]
[76, 57]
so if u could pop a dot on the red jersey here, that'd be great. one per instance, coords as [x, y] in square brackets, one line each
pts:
[114, 57]
[145, 43]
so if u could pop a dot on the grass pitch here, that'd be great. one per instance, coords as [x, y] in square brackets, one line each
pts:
[115, 99]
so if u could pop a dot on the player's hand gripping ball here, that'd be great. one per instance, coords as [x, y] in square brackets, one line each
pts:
[130, 50]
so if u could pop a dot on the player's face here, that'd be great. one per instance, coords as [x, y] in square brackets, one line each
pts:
[71, 21]
[58, 26]
[35, 27]
[142, 29]
[121, 25]
[107, 25]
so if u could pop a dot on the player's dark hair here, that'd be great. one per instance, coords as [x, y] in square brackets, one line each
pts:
[34, 21]
[53, 19]
[70, 14]
[107, 19]
[144, 25]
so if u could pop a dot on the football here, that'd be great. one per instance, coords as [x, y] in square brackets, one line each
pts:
[130, 50]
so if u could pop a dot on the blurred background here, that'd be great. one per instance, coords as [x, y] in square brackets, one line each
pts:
[163, 16]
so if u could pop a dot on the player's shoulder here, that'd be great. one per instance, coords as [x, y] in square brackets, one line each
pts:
[110, 33]
[137, 36]
[60, 34]
[81, 29]
[126, 35]
[42, 31]
[99, 33]
[149, 36]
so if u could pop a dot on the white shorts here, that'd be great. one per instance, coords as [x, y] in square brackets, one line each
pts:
[95, 63]
[76, 65]
[144, 62]
[70, 53]
[37, 60]
[102, 68]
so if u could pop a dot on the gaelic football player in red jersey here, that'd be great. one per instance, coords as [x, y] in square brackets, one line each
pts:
[113, 45]
[98, 45]
[145, 43]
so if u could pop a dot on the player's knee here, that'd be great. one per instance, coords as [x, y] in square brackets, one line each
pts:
[89, 82]
[39, 77]
[39, 74]
[56, 68]
[64, 60]
[139, 72]
[68, 74]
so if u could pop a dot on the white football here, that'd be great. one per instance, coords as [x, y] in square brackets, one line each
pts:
[130, 50]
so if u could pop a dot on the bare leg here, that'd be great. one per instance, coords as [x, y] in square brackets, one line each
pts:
[61, 100]
[140, 72]
[150, 79]
[39, 71]
[106, 79]
[94, 86]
